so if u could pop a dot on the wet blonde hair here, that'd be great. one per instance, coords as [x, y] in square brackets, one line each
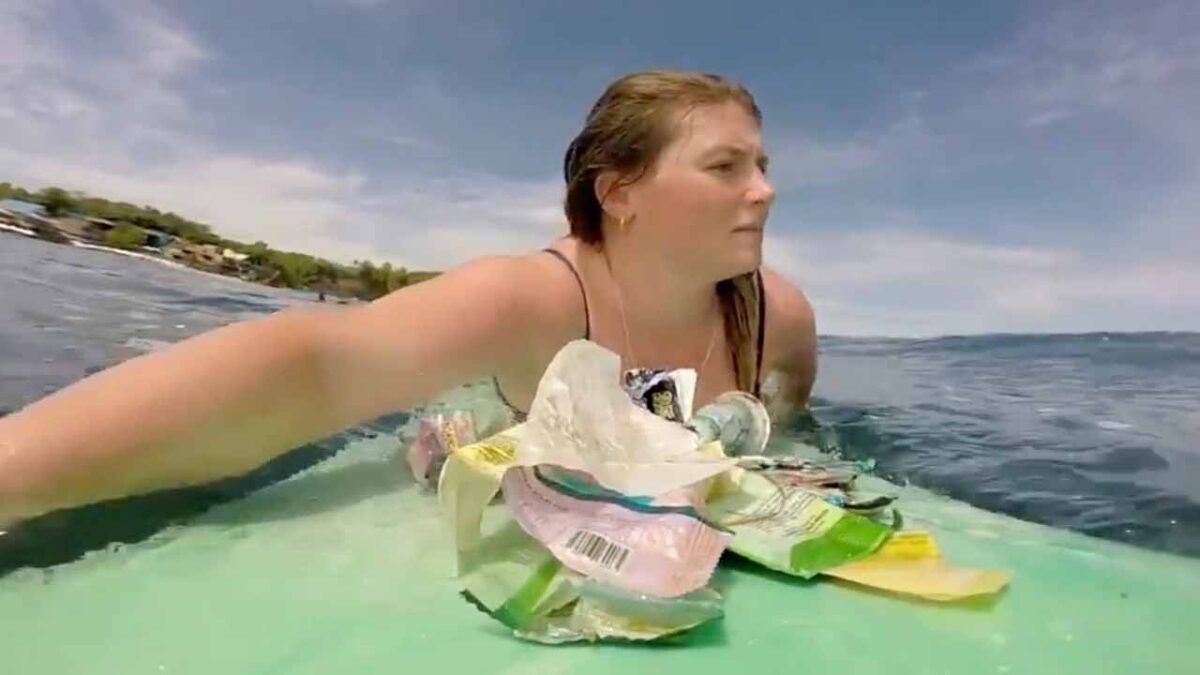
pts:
[626, 131]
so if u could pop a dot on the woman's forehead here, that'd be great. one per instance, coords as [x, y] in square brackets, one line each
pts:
[713, 128]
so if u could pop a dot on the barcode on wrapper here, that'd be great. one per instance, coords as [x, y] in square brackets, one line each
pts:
[598, 549]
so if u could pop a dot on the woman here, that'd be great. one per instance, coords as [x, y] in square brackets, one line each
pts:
[667, 197]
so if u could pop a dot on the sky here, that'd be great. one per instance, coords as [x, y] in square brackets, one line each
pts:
[941, 167]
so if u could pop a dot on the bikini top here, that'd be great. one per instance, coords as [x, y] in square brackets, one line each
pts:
[587, 333]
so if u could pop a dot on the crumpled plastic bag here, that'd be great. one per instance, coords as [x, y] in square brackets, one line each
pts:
[659, 547]
[519, 584]
[516, 580]
[469, 481]
[662, 549]
[909, 563]
[793, 529]
[582, 419]
[437, 435]
[615, 517]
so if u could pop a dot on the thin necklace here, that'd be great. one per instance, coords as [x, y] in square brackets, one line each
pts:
[712, 340]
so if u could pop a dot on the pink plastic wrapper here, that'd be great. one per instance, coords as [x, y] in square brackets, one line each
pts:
[438, 436]
[651, 547]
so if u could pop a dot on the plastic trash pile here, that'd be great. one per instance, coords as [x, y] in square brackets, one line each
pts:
[617, 500]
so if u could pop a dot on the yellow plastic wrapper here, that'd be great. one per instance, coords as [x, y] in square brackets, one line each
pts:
[909, 563]
[469, 482]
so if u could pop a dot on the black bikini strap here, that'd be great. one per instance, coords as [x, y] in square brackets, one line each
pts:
[587, 316]
[762, 324]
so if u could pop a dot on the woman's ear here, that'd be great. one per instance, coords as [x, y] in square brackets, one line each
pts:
[612, 193]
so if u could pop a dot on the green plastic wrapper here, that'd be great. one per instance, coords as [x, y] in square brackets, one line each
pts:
[792, 529]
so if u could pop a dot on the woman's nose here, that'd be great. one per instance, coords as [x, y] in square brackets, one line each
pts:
[761, 190]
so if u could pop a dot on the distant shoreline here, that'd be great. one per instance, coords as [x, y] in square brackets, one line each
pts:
[161, 260]
[135, 254]
[144, 254]
[167, 262]
[109, 249]
[63, 217]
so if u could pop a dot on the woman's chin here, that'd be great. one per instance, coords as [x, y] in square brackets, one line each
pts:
[739, 260]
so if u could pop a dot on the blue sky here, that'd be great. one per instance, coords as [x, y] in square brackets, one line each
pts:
[948, 168]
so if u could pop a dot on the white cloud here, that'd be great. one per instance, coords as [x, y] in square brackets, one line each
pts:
[892, 270]
[798, 162]
[357, 4]
[1045, 118]
[57, 78]
[1084, 58]
[443, 223]
[1137, 63]
[802, 162]
[904, 283]
[78, 115]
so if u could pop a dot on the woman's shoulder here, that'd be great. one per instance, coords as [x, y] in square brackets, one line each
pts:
[523, 273]
[788, 306]
[790, 344]
[528, 294]
[541, 287]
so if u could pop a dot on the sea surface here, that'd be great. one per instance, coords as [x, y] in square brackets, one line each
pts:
[1097, 433]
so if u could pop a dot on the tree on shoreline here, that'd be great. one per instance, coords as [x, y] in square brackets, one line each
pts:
[57, 201]
[125, 236]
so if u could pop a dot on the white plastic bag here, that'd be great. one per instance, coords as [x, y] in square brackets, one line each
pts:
[582, 419]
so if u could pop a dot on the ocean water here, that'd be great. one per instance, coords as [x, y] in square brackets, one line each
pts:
[1096, 433]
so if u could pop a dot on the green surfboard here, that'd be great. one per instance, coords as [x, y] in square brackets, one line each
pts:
[348, 567]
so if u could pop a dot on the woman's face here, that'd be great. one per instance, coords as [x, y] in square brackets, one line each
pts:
[706, 199]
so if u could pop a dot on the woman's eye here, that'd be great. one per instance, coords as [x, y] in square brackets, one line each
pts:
[723, 167]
